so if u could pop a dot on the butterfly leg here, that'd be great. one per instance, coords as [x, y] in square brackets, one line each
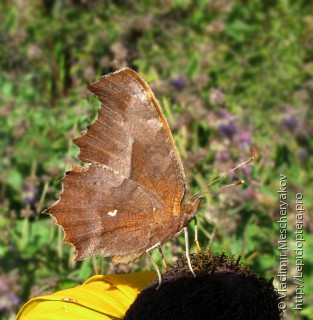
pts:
[196, 235]
[154, 264]
[185, 230]
[163, 259]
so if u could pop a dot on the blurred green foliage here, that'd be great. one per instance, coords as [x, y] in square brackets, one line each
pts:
[228, 74]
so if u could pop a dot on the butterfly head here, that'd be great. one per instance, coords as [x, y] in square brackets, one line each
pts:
[191, 207]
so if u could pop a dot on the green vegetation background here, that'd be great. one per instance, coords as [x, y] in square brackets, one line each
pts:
[228, 74]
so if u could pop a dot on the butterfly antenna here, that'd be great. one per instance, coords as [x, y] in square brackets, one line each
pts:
[224, 174]
[237, 183]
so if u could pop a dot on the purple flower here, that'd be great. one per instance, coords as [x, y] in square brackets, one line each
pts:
[290, 123]
[224, 114]
[3, 286]
[227, 129]
[288, 109]
[289, 117]
[8, 298]
[8, 301]
[222, 156]
[29, 193]
[244, 138]
[179, 83]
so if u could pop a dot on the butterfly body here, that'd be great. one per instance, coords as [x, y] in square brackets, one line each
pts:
[131, 195]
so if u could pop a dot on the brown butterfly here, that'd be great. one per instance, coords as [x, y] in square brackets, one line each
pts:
[130, 198]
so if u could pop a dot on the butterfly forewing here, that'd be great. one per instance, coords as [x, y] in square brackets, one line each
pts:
[131, 137]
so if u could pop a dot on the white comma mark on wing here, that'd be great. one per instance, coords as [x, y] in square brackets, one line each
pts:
[112, 214]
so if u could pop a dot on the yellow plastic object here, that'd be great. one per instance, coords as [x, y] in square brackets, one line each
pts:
[99, 298]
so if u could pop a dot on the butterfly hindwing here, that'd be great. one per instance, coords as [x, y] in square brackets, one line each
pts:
[99, 219]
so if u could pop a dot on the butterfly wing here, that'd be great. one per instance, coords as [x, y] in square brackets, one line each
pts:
[132, 137]
[134, 170]
[104, 213]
